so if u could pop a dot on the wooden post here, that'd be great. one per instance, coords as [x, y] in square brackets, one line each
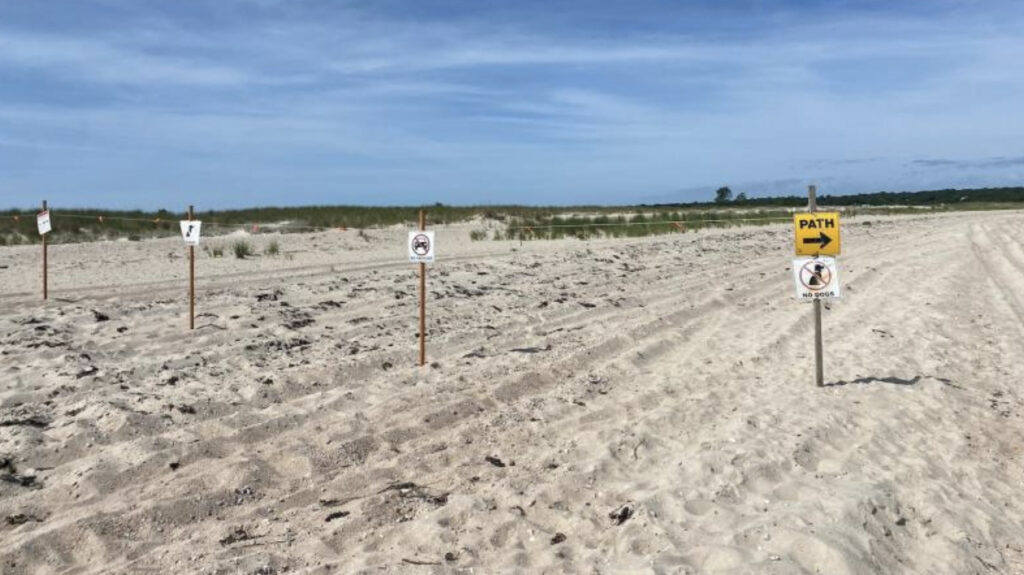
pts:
[46, 279]
[423, 300]
[819, 352]
[191, 278]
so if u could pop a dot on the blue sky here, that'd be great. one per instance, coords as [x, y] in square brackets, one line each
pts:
[228, 103]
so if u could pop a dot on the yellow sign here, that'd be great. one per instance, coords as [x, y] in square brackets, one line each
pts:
[817, 233]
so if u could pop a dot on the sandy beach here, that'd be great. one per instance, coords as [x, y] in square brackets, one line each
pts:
[605, 406]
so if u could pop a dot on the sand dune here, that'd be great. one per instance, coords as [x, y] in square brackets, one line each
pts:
[608, 406]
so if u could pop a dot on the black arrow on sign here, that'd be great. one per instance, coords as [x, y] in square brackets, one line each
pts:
[824, 240]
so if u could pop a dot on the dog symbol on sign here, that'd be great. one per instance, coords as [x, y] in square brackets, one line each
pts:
[190, 231]
[815, 276]
[421, 245]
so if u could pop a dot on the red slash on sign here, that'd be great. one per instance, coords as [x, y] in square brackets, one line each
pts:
[815, 275]
[422, 247]
[421, 244]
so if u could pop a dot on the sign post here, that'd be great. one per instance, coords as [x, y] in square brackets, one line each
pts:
[421, 251]
[191, 277]
[819, 348]
[816, 234]
[423, 295]
[190, 232]
[44, 225]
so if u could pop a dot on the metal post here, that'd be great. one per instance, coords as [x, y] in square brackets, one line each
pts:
[46, 279]
[423, 300]
[191, 278]
[819, 352]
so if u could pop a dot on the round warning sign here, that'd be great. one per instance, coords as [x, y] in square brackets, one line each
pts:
[816, 278]
[421, 247]
[421, 244]
[815, 275]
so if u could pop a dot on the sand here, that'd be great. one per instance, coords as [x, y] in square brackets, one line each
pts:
[606, 406]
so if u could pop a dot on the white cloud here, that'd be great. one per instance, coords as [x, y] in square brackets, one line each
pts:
[472, 102]
[92, 60]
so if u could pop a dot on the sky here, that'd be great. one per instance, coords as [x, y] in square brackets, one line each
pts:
[234, 103]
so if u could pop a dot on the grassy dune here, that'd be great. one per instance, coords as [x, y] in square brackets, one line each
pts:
[512, 222]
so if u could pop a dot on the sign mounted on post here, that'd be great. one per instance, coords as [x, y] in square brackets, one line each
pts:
[816, 278]
[816, 233]
[421, 247]
[190, 231]
[43, 222]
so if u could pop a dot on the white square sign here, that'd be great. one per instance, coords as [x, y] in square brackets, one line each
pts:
[190, 230]
[421, 247]
[816, 278]
[43, 222]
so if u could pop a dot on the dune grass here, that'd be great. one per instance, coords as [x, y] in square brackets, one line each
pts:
[636, 224]
[80, 225]
[242, 249]
[639, 223]
[514, 222]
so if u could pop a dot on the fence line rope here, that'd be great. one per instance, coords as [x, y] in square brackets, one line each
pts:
[289, 227]
[255, 226]
[157, 221]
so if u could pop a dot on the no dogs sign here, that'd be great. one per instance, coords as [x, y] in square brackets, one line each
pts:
[421, 247]
[816, 278]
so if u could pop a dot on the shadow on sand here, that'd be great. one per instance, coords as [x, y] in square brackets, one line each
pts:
[893, 380]
[866, 380]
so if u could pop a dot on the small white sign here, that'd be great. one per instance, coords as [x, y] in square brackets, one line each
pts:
[421, 247]
[816, 278]
[43, 222]
[190, 231]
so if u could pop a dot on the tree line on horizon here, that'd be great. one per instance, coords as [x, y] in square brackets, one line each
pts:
[724, 196]
[438, 213]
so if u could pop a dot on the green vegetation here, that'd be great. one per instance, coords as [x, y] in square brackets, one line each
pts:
[637, 224]
[946, 197]
[477, 235]
[79, 225]
[652, 221]
[273, 248]
[214, 251]
[241, 249]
